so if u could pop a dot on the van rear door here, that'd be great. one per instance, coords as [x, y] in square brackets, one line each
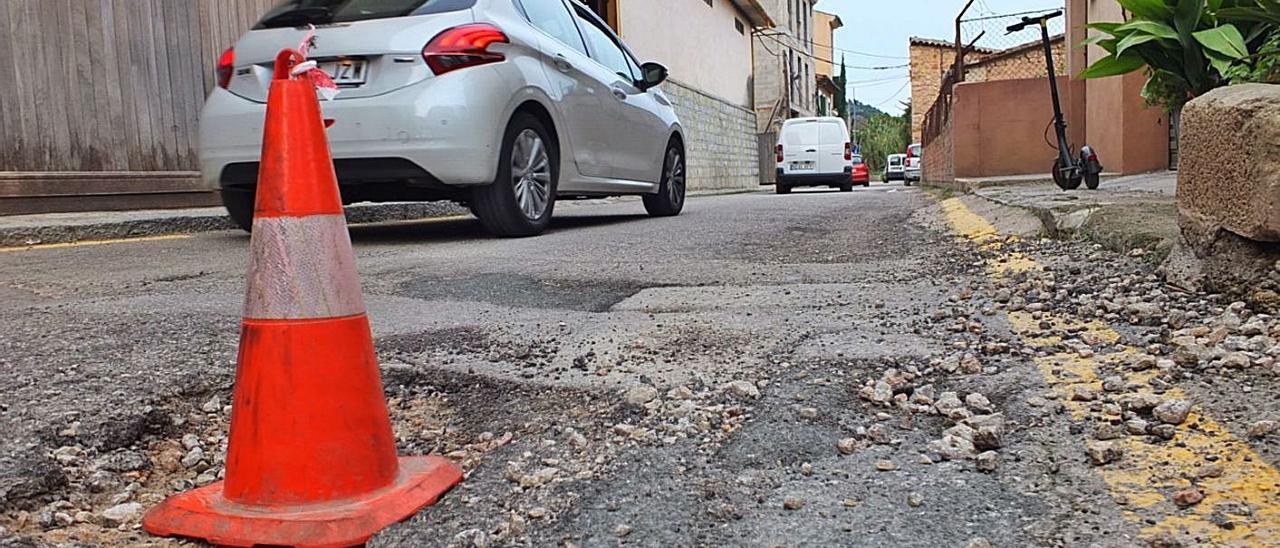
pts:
[832, 139]
[800, 142]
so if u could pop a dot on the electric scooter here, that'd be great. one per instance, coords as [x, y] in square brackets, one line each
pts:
[1069, 168]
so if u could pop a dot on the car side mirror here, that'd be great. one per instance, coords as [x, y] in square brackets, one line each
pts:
[651, 74]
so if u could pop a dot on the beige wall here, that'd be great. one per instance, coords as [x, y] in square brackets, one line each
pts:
[998, 127]
[1128, 136]
[824, 28]
[697, 42]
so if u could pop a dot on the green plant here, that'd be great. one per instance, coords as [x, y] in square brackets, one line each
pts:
[1189, 47]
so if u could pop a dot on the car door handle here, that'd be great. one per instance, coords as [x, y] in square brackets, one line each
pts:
[812, 150]
[562, 63]
[620, 94]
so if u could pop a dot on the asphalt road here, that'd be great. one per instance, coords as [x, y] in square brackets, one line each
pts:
[530, 361]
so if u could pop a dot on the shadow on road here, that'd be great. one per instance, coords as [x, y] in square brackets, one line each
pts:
[453, 229]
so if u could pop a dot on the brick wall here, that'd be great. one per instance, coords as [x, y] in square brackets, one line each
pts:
[721, 139]
[1027, 62]
[938, 159]
[928, 63]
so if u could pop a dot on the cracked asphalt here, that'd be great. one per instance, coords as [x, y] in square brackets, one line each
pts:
[704, 380]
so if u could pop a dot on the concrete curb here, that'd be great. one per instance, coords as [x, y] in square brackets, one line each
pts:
[56, 228]
[28, 230]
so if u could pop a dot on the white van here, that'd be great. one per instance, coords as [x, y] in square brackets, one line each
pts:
[814, 152]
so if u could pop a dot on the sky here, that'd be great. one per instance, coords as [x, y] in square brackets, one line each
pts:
[878, 31]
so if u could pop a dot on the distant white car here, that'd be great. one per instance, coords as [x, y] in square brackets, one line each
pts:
[895, 167]
[503, 105]
[814, 152]
[914, 163]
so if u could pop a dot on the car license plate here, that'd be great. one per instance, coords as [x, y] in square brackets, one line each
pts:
[802, 166]
[347, 72]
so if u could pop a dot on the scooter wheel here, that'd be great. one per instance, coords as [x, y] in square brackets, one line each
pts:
[1061, 179]
[1091, 181]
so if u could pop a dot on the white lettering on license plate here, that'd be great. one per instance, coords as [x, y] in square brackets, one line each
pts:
[345, 73]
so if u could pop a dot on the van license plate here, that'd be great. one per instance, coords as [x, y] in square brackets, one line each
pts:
[349, 72]
[802, 166]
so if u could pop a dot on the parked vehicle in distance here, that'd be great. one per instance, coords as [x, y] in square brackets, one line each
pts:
[814, 152]
[914, 163]
[861, 173]
[501, 105]
[895, 167]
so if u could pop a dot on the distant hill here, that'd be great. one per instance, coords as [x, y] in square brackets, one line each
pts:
[863, 111]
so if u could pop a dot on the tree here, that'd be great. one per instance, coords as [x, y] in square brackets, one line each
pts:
[881, 135]
[842, 101]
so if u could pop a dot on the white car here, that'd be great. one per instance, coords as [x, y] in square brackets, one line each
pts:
[503, 105]
[814, 152]
[894, 170]
[914, 163]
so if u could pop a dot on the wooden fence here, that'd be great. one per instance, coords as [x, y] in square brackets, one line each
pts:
[100, 99]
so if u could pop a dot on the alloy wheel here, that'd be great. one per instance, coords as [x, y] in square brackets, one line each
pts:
[531, 174]
[675, 176]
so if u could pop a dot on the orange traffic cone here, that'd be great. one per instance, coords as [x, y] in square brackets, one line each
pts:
[311, 459]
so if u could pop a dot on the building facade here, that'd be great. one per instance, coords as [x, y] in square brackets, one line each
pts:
[1129, 136]
[826, 70]
[785, 71]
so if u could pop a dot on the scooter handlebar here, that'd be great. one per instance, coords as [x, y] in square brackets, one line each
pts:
[1028, 21]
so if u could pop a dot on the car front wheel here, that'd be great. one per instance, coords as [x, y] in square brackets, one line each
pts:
[669, 200]
[521, 200]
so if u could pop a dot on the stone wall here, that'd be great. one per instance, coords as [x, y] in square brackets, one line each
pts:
[721, 139]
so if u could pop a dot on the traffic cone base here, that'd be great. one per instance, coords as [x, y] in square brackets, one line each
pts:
[205, 513]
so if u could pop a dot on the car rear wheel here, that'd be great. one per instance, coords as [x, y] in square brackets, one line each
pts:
[239, 204]
[669, 200]
[521, 200]
[847, 187]
[782, 188]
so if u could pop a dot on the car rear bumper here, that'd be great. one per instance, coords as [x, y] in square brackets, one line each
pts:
[814, 179]
[449, 128]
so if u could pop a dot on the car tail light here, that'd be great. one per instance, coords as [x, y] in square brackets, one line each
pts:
[910, 153]
[464, 46]
[779, 150]
[226, 65]
[848, 151]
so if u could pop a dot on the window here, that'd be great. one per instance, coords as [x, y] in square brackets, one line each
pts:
[605, 50]
[737, 24]
[554, 18]
[298, 13]
[708, 3]
[833, 133]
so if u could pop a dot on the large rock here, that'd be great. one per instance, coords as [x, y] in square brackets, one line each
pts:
[1229, 160]
[1229, 194]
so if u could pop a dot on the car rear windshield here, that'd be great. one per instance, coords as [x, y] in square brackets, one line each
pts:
[299, 13]
[895, 160]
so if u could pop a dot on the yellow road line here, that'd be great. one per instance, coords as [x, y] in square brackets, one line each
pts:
[1239, 487]
[39, 247]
